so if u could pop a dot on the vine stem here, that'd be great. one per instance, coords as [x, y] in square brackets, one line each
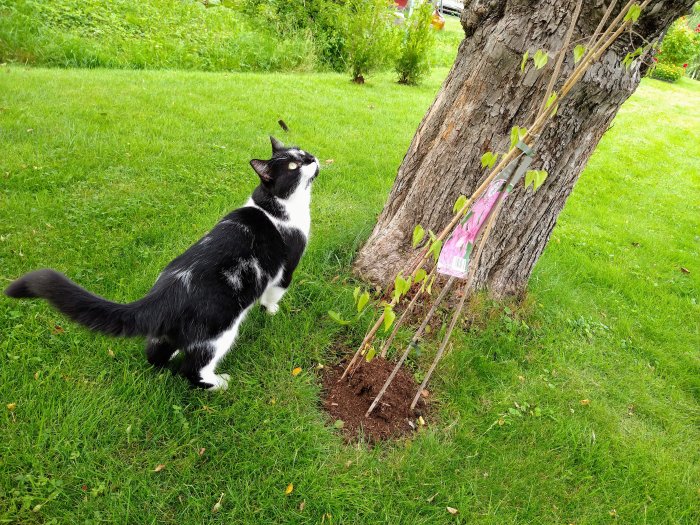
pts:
[465, 293]
[404, 315]
[412, 344]
[560, 56]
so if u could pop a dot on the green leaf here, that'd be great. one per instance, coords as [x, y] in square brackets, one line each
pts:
[536, 178]
[418, 234]
[540, 59]
[551, 100]
[435, 249]
[362, 301]
[459, 203]
[420, 275]
[339, 423]
[634, 12]
[401, 286]
[524, 62]
[629, 58]
[336, 317]
[516, 135]
[370, 355]
[389, 316]
[488, 159]
[356, 293]
[429, 288]
[579, 51]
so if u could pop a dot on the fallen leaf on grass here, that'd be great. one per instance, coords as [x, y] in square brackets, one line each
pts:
[110, 352]
[11, 406]
[329, 161]
[585, 402]
[431, 498]
[302, 505]
[684, 269]
[159, 467]
[296, 371]
[289, 489]
[424, 393]
[217, 505]
[339, 423]
[452, 510]
[57, 329]
[201, 451]
[421, 421]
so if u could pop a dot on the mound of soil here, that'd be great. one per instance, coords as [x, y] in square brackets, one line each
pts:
[349, 399]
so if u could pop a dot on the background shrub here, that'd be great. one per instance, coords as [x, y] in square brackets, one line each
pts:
[680, 49]
[370, 35]
[416, 45]
[667, 72]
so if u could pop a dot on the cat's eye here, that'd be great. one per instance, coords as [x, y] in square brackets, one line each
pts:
[293, 165]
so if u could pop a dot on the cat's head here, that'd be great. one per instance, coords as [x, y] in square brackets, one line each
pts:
[289, 170]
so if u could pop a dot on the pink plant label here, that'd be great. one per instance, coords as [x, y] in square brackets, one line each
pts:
[455, 254]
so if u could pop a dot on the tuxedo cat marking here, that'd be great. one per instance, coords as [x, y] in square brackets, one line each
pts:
[200, 299]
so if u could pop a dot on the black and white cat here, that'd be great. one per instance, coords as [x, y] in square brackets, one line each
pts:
[201, 298]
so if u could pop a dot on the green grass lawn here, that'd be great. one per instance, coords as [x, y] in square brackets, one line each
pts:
[107, 175]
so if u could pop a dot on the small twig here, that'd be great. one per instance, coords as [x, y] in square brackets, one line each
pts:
[412, 344]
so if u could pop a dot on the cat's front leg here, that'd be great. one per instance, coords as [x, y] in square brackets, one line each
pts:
[271, 297]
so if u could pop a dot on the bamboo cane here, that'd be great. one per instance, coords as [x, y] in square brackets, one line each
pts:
[412, 344]
[465, 292]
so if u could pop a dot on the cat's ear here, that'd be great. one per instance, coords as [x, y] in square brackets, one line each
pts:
[276, 144]
[262, 168]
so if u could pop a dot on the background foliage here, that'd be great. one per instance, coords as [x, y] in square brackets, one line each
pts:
[680, 49]
[223, 35]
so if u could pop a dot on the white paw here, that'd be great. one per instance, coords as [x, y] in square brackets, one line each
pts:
[220, 382]
[272, 309]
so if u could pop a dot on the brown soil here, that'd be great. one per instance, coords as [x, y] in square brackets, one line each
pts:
[349, 399]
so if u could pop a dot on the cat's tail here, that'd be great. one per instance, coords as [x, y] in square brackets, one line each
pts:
[80, 305]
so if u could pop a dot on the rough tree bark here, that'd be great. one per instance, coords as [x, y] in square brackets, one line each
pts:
[483, 97]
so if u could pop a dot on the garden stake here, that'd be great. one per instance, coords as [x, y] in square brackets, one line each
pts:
[465, 289]
[598, 29]
[560, 57]
[412, 344]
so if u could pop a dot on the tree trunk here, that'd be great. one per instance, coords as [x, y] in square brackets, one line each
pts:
[483, 97]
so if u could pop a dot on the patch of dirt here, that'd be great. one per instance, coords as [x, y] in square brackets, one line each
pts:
[349, 399]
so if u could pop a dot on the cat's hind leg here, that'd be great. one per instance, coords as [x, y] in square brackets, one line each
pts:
[199, 366]
[159, 351]
[271, 297]
[202, 358]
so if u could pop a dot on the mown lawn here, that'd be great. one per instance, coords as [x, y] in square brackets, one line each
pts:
[107, 175]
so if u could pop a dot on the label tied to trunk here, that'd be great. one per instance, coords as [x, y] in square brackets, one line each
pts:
[455, 254]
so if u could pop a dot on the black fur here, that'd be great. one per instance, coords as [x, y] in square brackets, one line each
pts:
[202, 292]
